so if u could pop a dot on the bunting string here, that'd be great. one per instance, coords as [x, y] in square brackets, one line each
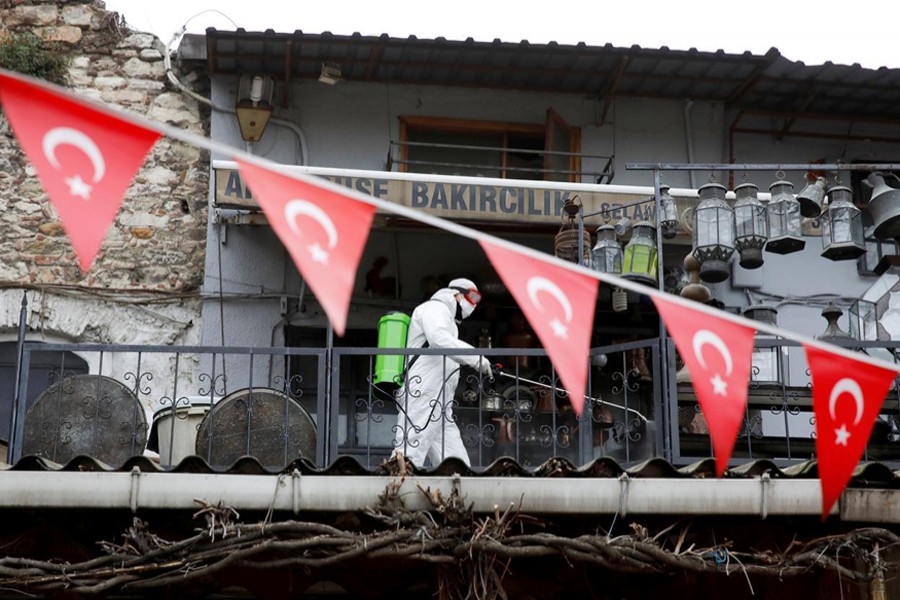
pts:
[295, 172]
[558, 297]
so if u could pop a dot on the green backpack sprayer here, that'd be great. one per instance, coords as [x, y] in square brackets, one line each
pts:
[390, 368]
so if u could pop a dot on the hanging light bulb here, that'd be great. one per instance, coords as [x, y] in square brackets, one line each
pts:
[668, 217]
[619, 300]
[623, 225]
[750, 226]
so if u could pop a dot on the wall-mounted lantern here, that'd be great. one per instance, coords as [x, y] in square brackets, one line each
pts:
[254, 105]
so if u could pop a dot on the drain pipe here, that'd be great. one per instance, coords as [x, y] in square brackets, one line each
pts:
[758, 497]
[689, 138]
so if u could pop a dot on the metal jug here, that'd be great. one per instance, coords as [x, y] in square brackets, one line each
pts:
[883, 207]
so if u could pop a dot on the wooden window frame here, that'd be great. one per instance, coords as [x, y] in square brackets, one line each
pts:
[505, 129]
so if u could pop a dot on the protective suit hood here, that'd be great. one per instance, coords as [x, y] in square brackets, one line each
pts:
[463, 308]
[446, 297]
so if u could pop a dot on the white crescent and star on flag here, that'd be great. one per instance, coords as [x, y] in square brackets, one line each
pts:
[705, 337]
[59, 136]
[851, 387]
[542, 284]
[297, 207]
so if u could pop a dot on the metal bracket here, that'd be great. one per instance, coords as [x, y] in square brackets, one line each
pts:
[295, 491]
[456, 484]
[135, 489]
[624, 480]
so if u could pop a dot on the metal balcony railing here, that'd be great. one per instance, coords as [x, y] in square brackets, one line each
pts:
[475, 160]
[283, 404]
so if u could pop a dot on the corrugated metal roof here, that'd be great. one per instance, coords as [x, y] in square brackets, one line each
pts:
[767, 83]
[867, 474]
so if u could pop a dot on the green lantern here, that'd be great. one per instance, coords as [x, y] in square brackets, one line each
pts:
[640, 260]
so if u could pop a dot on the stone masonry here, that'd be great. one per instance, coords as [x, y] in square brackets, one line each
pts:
[144, 285]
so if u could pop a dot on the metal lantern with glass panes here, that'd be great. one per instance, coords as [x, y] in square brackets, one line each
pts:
[842, 227]
[713, 235]
[784, 219]
[875, 315]
[668, 215]
[606, 257]
[751, 228]
[768, 361]
[639, 261]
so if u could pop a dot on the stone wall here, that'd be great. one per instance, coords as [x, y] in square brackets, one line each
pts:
[159, 238]
[144, 286]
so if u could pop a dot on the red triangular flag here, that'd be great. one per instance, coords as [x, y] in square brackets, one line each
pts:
[325, 233]
[847, 397]
[718, 355]
[85, 157]
[559, 304]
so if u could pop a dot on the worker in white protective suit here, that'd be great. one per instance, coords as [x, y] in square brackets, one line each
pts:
[425, 425]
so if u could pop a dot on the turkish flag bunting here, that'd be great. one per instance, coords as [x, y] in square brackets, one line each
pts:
[559, 304]
[847, 397]
[85, 157]
[325, 233]
[718, 355]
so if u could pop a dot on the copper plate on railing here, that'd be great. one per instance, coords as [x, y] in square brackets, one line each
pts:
[86, 414]
[259, 422]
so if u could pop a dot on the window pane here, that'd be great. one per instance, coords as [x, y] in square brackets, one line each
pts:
[434, 157]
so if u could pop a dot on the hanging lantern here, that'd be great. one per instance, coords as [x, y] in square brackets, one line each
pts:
[842, 228]
[767, 361]
[750, 226]
[639, 261]
[565, 244]
[606, 257]
[784, 219]
[811, 197]
[713, 235]
[668, 217]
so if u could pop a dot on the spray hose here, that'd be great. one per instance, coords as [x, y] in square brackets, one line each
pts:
[498, 372]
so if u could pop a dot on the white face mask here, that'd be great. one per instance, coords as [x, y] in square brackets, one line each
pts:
[465, 307]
